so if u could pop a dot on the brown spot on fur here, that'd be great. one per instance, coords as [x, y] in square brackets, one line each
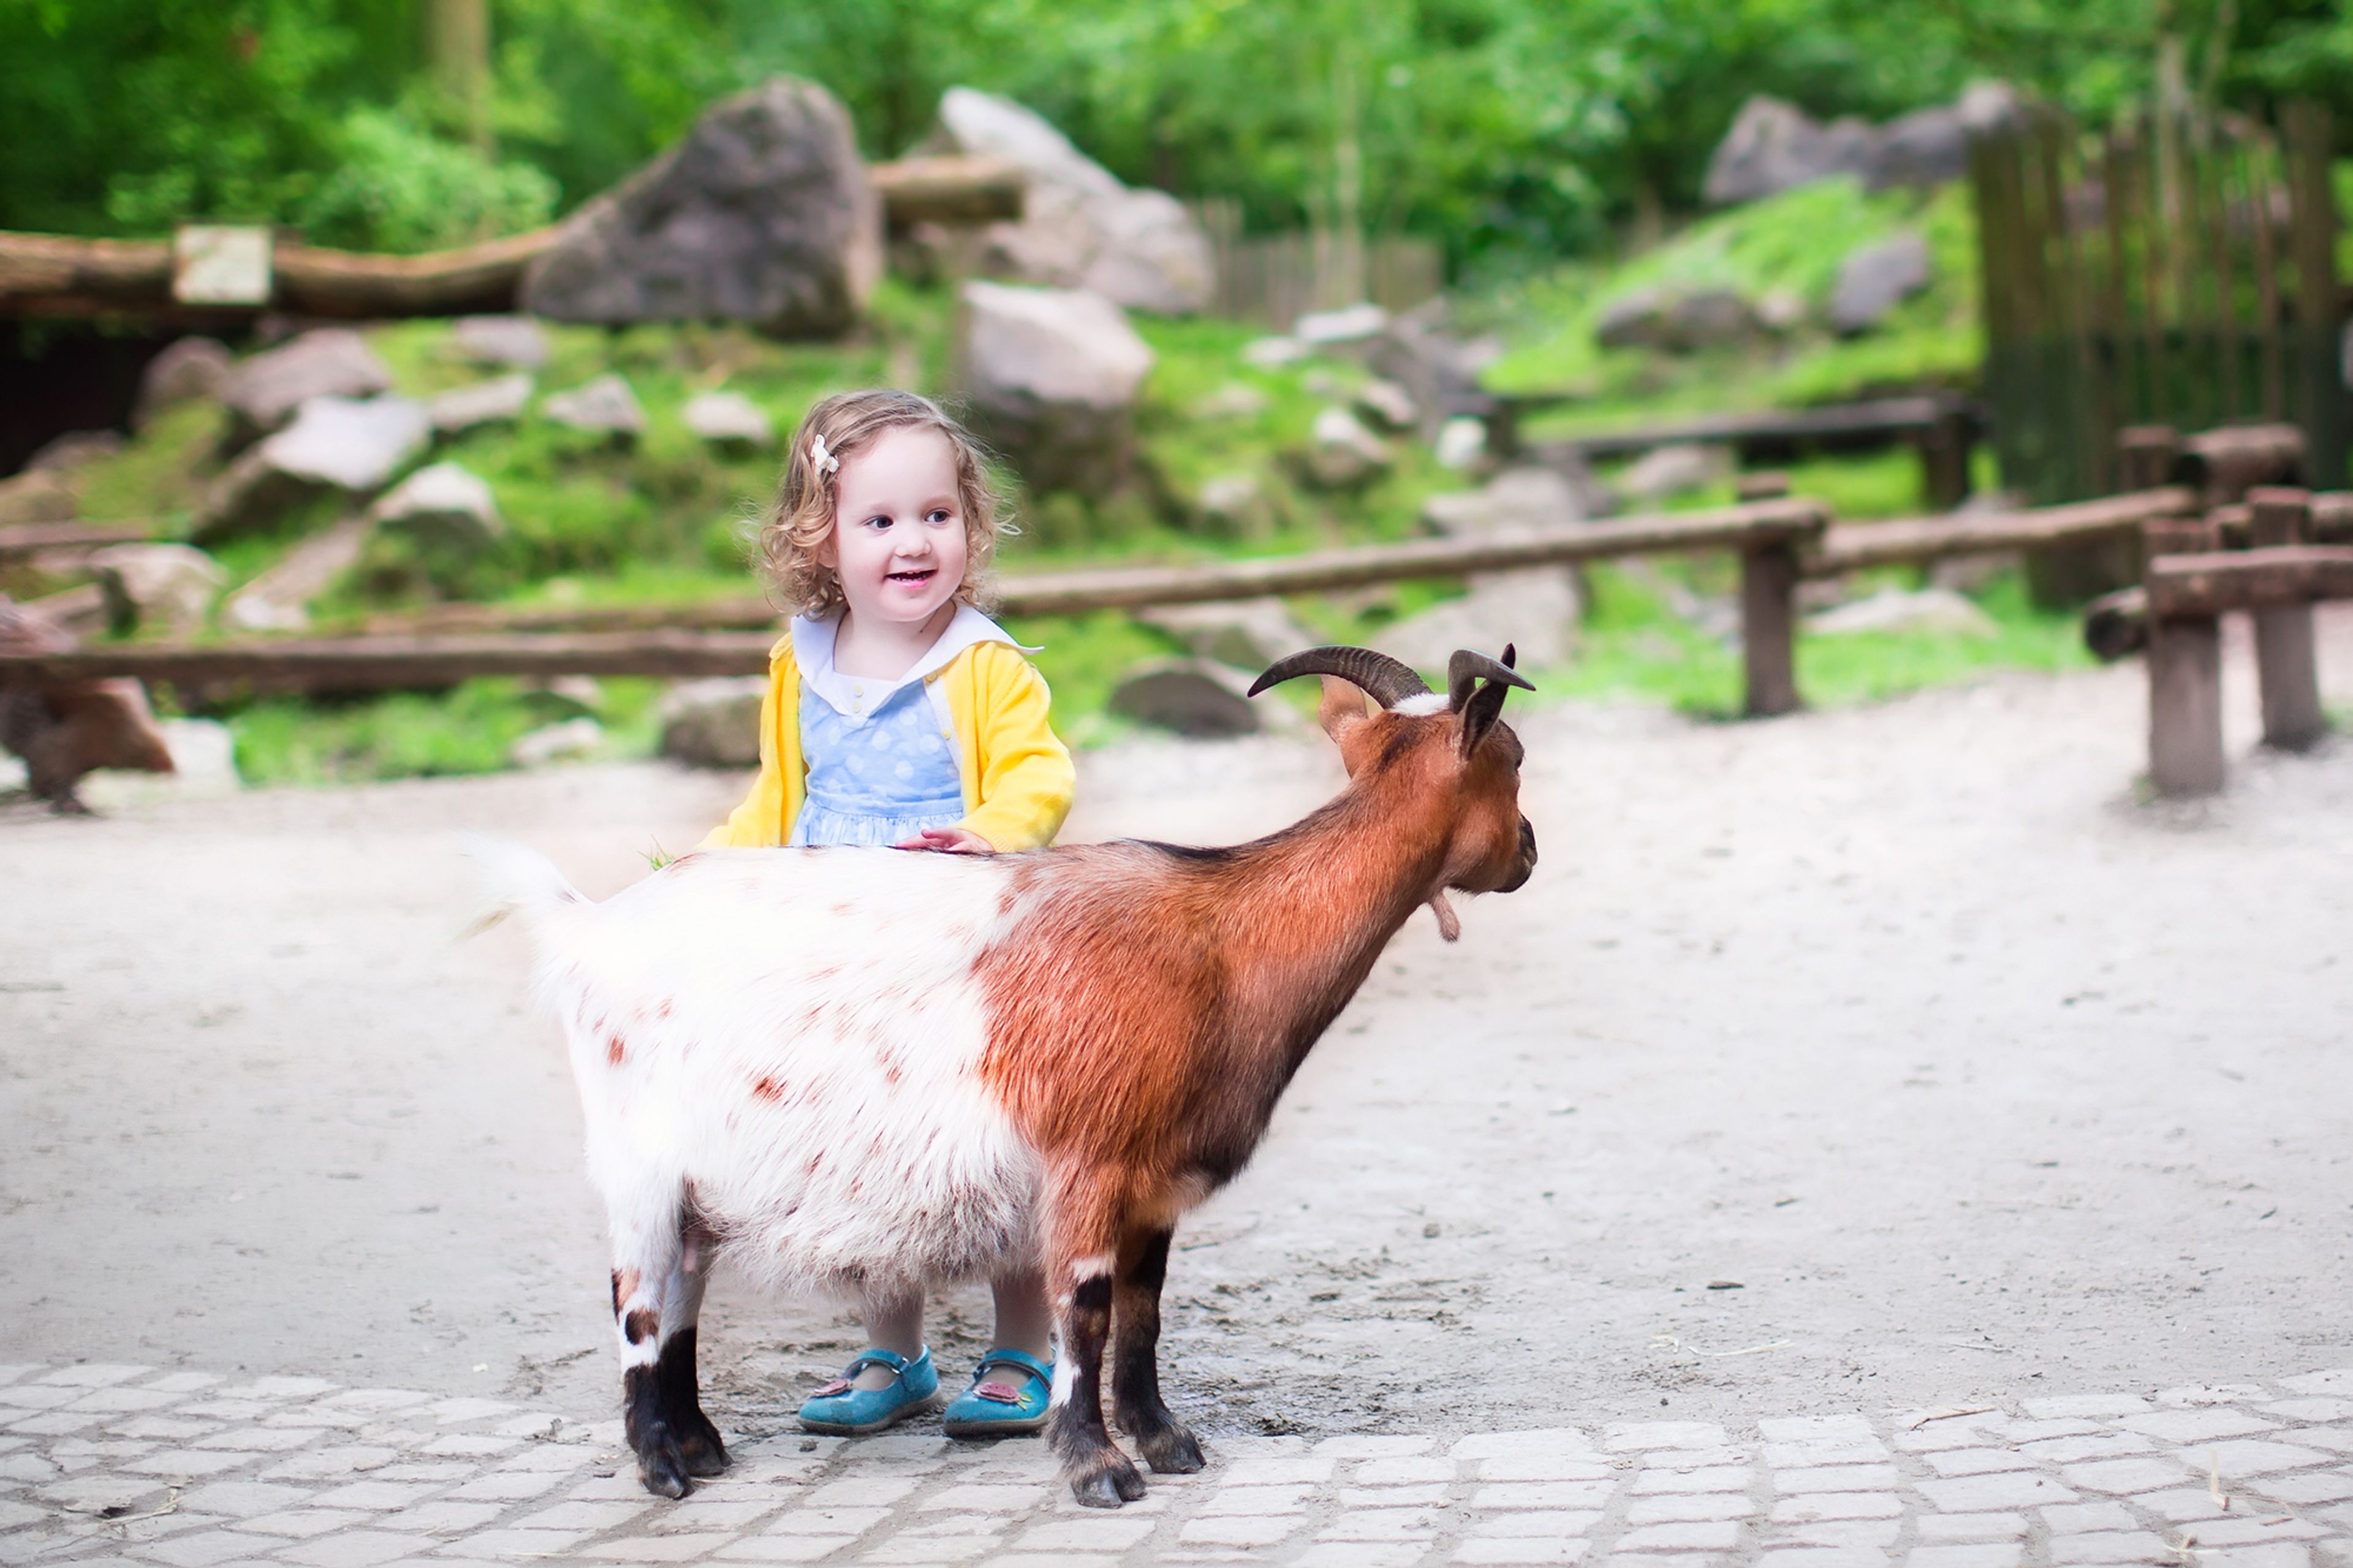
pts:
[616, 1292]
[614, 1053]
[661, 1008]
[640, 1325]
[767, 1088]
[624, 1285]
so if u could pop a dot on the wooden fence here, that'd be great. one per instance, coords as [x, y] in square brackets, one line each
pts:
[1273, 280]
[2176, 272]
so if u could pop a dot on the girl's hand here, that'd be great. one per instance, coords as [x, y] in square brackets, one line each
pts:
[949, 841]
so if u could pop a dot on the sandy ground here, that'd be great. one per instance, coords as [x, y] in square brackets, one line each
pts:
[1973, 1072]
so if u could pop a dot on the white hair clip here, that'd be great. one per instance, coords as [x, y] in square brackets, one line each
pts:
[823, 461]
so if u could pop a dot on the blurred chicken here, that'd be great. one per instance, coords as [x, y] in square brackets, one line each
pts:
[63, 729]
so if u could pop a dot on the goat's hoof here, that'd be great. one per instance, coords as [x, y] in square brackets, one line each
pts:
[663, 1468]
[1172, 1450]
[700, 1447]
[1107, 1483]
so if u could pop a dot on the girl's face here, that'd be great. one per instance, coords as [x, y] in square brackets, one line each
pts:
[897, 540]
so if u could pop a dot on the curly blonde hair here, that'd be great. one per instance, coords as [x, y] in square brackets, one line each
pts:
[804, 515]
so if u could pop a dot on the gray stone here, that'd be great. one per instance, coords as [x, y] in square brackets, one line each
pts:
[37, 495]
[188, 369]
[606, 405]
[1387, 405]
[1235, 400]
[763, 213]
[1926, 147]
[1678, 321]
[1079, 228]
[445, 507]
[1194, 697]
[713, 723]
[1051, 376]
[335, 443]
[1342, 454]
[1238, 506]
[514, 340]
[269, 389]
[167, 587]
[1525, 497]
[1349, 325]
[1536, 610]
[1875, 278]
[566, 740]
[1273, 353]
[1461, 443]
[729, 419]
[279, 599]
[74, 448]
[1774, 146]
[1244, 634]
[497, 401]
[1665, 471]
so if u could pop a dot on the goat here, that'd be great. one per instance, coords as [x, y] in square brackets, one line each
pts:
[845, 1068]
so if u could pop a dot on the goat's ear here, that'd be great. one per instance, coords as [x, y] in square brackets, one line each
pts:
[1343, 707]
[1480, 712]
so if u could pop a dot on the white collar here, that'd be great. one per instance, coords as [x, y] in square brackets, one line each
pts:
[813, 652]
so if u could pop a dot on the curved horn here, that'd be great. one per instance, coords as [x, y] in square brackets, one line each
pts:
[1466, 669]
[1388, 680]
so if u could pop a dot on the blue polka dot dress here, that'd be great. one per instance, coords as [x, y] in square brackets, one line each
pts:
[878, 777]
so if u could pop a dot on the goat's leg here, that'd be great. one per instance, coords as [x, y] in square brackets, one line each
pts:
[1099, 1475]
[646, 1269]
[1166, 1443]
[699, 1442]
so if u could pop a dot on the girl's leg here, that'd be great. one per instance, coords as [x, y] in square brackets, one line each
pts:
[892, 1323]
[1024, 1322]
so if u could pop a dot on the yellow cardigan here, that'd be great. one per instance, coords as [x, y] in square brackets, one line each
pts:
[1018, 777]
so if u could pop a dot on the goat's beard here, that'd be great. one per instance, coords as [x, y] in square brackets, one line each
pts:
[1449, 924]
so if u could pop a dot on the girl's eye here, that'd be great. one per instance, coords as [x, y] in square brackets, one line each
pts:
[939, 515]
[878, 523]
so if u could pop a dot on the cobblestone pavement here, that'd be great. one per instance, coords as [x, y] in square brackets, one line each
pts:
[102, 1463]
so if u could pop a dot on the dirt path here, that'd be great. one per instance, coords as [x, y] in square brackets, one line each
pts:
[1973, 1073]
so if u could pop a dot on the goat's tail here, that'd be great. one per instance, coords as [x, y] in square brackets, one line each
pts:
[515, 879]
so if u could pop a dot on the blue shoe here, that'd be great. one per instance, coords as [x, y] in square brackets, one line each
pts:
[1002, 1407]
[839, 1410]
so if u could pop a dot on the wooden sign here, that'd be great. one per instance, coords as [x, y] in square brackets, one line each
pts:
[219, 265]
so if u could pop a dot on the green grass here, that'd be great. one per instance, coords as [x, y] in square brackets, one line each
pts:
[468, 729]
[1792, 244]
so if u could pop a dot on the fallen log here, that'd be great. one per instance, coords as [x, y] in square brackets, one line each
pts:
[364, 664]
[1851, 546]
[2116, 625]
[47, 274]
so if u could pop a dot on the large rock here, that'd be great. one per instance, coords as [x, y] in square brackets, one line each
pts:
[1245, 634]
[516, 341]
[1195, 696]
[713, 723]
[729, 420]
[445, 507]
[37, 495]
[1525, 497]
[1774, 146]
[1437, 368]
[605, 405]
[167, 587]
[1342, 454]
[565, 740]
[1681, 321]
[267, 391]
[1537, 610]
[763, 213]
[497, 401]
[1237, 506]
[1875, 278]
[74, 448]
[335, 443]
[1665, 471]
[187, 370]
[1050, 377]
[1079, 228]
[1926, 147]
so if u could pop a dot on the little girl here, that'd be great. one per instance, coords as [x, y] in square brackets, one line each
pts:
[897, 715]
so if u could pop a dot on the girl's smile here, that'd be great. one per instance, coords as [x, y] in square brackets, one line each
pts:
[898, 547]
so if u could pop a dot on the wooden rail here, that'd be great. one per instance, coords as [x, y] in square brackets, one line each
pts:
[39, 537]
[50, 274]
[1850, 547]
[359, 664]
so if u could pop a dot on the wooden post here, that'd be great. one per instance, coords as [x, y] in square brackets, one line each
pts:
[2145, 454]
[1768, 628]
[1768, 484]
[2185, 705]
[2286, 664]
[1945, 447]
